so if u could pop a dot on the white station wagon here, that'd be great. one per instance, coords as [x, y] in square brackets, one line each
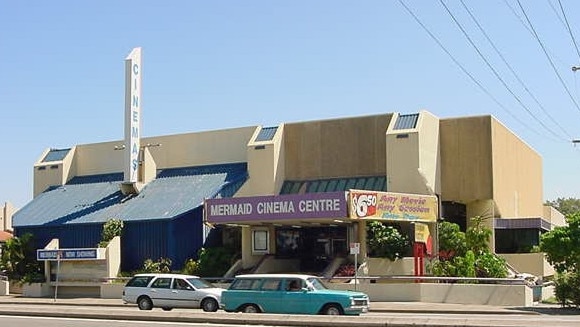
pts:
[168, 291]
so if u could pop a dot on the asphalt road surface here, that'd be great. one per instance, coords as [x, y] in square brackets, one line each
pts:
[10, 321]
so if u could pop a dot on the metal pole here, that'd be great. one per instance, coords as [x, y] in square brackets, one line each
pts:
[355, 270]
[57, 274]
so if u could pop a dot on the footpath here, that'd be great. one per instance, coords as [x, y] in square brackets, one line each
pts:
[400, 307]
[432, 314]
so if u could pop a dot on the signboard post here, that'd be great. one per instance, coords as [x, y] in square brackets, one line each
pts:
[58, 255]
[355, 249]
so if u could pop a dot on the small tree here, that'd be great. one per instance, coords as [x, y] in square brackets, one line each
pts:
[18, 260]
[385, 241]
[562, 245]
[562, 248]
[111, 229]
[214, 262]
[467, 254]
[451, 240]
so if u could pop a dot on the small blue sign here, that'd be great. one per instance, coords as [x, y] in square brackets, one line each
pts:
[67, 254]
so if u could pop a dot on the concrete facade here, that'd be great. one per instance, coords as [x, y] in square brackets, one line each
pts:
[6, 212]
[474, 161]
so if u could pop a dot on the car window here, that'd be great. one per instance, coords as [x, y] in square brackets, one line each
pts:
[294, 285]
[271, 284]
[181, 284]
[317, 284]
[161, 282]
[200, 283]
[139, 281]
[245, 284]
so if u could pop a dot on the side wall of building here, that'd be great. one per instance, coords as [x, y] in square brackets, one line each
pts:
[336, 148]
[517, 175]
[466, 159]
[171, 151]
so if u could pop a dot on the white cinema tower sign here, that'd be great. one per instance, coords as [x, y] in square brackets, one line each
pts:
[132, 115]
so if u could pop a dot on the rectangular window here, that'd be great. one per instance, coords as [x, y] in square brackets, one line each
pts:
[271, 285]
[260, 241]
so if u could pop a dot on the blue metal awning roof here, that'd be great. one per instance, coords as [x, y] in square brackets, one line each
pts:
[97, 198]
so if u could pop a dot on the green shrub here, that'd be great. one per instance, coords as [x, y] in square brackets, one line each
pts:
[385, 241]
[214, 262]
[567, 289]
[18, 259]
[162, 265]
[111, 229]
[466, 254]
[190, 267]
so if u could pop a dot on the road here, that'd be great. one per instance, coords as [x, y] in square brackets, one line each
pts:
[66, 322]
[130, 316]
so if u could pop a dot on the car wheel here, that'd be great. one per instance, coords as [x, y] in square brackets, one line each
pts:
[166, 309]
[251, 308]
[209, 305]
[144, 303]
[332, 310]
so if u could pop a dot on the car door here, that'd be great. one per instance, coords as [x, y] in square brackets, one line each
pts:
[295, 296]
[270, 296]
[183, 295]
[160, 292]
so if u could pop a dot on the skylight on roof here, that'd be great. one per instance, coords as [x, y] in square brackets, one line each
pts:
[55, 155]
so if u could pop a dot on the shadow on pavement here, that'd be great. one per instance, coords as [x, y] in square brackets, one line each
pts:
[550, 310]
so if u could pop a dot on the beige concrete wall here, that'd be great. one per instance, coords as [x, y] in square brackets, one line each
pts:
[413, 158]
[183, 150]
[403, 164]
[4, 287]
[466, 159]
[336, 148]
[99, 158]
[6, 213]
[532, 263]
[429, 152]
[265, 165]
[250, 259]
[202, 148]
[53, 173]
[113, 257]
[555, 217]
[517, 175]
[396, 292]
[112, 290]
[489, 294]
[385, 267]
[148, 167]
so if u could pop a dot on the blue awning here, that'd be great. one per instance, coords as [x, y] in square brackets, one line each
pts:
[97, 198]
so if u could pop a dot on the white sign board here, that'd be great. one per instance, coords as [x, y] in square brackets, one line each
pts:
[132, 115]
[354, 248]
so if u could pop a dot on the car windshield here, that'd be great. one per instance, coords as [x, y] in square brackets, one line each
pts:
[316, 284]
[200, 283]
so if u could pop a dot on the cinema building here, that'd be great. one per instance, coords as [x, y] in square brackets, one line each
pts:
[296, 196]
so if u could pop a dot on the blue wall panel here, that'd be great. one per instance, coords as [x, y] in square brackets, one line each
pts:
[186, 237]
[178, 239]
[69, 236]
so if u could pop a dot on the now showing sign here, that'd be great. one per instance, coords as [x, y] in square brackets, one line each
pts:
[69, 254]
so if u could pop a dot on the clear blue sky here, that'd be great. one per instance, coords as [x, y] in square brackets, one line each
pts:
[220, 64]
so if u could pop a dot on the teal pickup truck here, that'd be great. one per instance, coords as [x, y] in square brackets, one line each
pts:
[291, 294]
